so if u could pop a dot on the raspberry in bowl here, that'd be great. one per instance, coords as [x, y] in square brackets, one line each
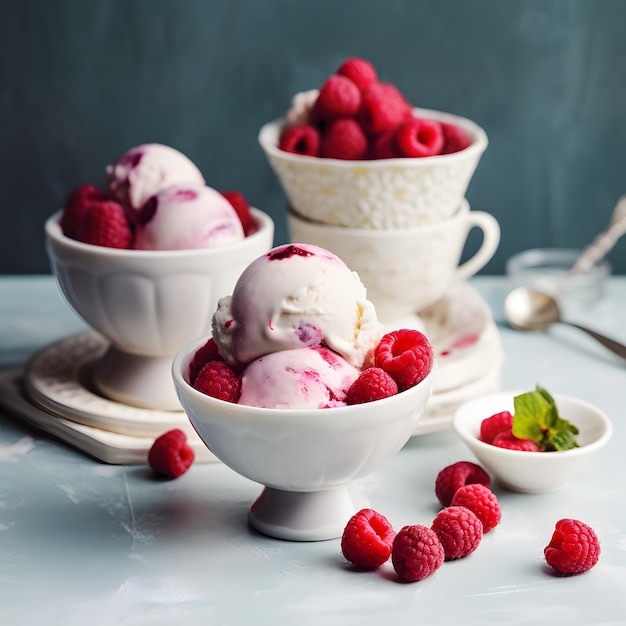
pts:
[355, 153]
[306, 393]
[148, 277]
[554, 439]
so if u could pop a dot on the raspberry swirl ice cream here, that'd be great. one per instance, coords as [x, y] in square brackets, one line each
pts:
[144, 171]
[295, 296]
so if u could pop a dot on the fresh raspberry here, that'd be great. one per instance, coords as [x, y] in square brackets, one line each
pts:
[218, 380]
[406, 355]
[383, 108]
[454, 138]
[338, 97]
[301, 139]
[509, 441]
[242, 207]
[343, 139]
[204, 354]
[384, 146]
[495, 424]
[367, 539]
[105, 224]
[170, 455]
[419, 138]
[416, 553]
[372, 384]
[451, 478]
[76, 205]
[574, 547]
[459, 530]
[482, 501]
[359, 71]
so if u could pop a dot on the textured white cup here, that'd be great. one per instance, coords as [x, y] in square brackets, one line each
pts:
[405, 270]
[148, 304]
[382, 193]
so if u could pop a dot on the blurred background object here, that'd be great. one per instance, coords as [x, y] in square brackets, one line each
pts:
[84, 81]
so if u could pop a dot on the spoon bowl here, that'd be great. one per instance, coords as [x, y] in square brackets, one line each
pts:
[529, 309]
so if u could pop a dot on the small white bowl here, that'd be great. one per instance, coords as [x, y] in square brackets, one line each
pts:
[381, 193]
[533, 472]
[148, 304]
[306, 459]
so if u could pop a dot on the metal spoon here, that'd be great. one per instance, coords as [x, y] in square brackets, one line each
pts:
[528, 309]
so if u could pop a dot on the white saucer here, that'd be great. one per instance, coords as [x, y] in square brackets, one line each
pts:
[58, 379]
[105, 446]
[464, 337]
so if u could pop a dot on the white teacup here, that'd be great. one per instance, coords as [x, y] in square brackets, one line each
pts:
[405, 270]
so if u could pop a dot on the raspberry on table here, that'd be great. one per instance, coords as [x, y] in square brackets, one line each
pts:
[482, 501]
[416, 553]
[338, 97]
[170, 454]
[494, 424]
[451, 478]
[454, 138]
[105, 224]
[459, 530]
[509, 441]
[303, 139]
[418, 138]
[372, 384]
[343, 139]
[218, 380]
[383, 108]
[359, 71]
[367, 539]
[574, 547]
[406, 355]
[205, 353]
[242, 207]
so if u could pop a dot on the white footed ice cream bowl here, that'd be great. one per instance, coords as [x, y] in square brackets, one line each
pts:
[147, 304]
[377, 194]
[306, 460]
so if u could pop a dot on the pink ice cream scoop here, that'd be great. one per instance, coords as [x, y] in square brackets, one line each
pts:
[303, 378]
[296, 295]
[144, 171]
[187, 216]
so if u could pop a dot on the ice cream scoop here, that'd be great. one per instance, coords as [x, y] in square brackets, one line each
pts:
[184, 217]
[303, 378]
[294, 296]
[144, 171]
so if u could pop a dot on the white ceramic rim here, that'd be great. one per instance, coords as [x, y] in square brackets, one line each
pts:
[471, 439]
[54, 232]
[269, 132]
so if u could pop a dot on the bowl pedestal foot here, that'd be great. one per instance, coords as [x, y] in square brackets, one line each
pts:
[305, 516]
[137, 380]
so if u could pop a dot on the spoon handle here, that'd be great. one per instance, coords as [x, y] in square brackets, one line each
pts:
[613, 346]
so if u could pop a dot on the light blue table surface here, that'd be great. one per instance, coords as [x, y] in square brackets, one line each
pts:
[82, 542]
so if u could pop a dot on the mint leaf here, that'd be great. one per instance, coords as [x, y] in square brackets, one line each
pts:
[536, 417]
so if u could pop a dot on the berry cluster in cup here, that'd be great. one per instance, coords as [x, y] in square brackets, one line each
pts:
[356, 116]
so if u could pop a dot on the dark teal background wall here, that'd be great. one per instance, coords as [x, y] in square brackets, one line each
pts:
[82, 80]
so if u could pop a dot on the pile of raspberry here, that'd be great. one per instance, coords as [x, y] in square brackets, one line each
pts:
[92, 216]
[356, 116]
[471, 509]
[400, 360]
[497, 430]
